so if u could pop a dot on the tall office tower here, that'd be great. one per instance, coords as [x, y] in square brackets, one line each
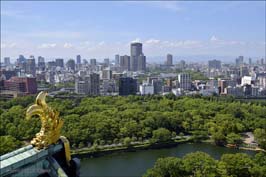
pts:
[127, 86]
[239, 61]
[184, 80]
[30, 66]
[250, 61]
[59, 62]
[94, 84]
[41, 63]
[244, 71]
[78, 59]
[125, 62]
[262, 61]
[169, 60]
[93, 62]
[214, 64]
[7, 61]
[182, 64]
[89, 85]
[136, 55]
[51, 65]
[70, 64]
[21, 59]
[117, 58]
[141, 63]
[106, 61]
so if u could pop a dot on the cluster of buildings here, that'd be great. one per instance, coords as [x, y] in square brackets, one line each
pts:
[127, 75]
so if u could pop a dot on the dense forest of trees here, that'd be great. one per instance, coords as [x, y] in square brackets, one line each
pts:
[108, 120]
[200, 164]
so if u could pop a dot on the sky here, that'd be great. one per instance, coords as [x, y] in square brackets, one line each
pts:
[102, 29]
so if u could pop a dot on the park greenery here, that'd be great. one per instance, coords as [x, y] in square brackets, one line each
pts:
[200, 164]
[157, 119]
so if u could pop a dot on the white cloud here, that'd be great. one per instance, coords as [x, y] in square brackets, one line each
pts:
[152, 41]
[68, 45]
[101, 43]
[8, 45]
[166, 5]
[47, 46]
[136, 40]
[214, 38]
[55, 35]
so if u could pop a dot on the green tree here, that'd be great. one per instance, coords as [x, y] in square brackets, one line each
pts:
[161, 135]
[233, 138]
[127, 141]
[8, 143]
[260, 136]
[164, 167]
[199, 164]
[237, 165]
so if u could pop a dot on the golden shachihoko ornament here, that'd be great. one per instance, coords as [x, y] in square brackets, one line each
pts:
[51, 123]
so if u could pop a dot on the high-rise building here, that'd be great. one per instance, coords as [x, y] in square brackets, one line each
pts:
[94, 87]
[71, 64]
[169, 60]
[89, 85]
[141, 63]
[127, 86]
[250, 61]
[41, 63]
[117, 58]
[59, 62]
[184, 81]
[136, 56]
[7, 61]
[78, 59]
[239, 61]
[93, 62]
[30, 66]
[125, 62]
[244, 71]
[106, 61]
[214, 64]
[51, 64]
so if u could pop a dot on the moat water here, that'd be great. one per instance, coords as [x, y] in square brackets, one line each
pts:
[131, 164]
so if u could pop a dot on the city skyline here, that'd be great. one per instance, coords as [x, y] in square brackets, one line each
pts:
[66, 29]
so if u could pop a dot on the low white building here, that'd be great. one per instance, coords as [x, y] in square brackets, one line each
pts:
[146, 89]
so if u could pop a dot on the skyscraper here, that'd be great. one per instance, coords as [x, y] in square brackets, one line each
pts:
[141, 63]
[239, 61]
[78, 59]
[30, 66]
[169, 60]
[93, 62]
[250, 61]
[41, 63]
[106, 61]
[59, 62]
[214, 64]
[184, 80]
[7, 61]
[136, 56]
[117, 58]
[125, 62]
[71, 64]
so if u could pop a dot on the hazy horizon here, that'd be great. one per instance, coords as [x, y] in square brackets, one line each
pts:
[102, 29]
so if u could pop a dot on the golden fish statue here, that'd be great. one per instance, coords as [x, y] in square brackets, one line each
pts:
[51, 123]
